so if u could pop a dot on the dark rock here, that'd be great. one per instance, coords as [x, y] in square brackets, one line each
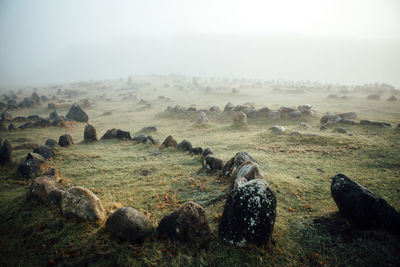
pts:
[46, 190]
[33, 118]
[12, 127]
[53, 115]
[185, 145]
[251, 113]
[12, 104]
[323, 127]
[207, 152]
[191, 109]
[59, 121]
[187, 224]
[35, 98]
[42, 122]
[375, 123]
[144, 139]
[249, 214]
[129, 224]
[26, 125]
[51, 143]
[5, 153]
[82, 203]
[89, 135]
[348, 121]
[212, 163]
[169, 142]
[45, 151]
[264, 110]
[110, 134]
[31, 166]
[234, 163]
[20, 119]
[26, 103]
[65, 140]
[51, 106]
[340, 130]
[123, 134]
[44, 98]
[361, 207]
[76, 113]
[196, 150]
[3, 127]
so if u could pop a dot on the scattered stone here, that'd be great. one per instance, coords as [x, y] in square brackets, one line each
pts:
[214, 109]
[144, 139]
[89, 134]
[375, 123]
[45, 151]
[340, 130]
[185, 145]
[239, 118]
[202, 118]
[348, 115]
[76, 113]
[207, 152]
[169, 142]
[53, 115]
[82, 203]
[235, 162]
[330, 118]
[110, 134]
[249, 214]
[305, 125]
[129, 224]
[212, 163]
[123, 134]
[6, 153]
[188, 224]
[295, 133]
[149, 129]
[65, 140]
[51, 143]
[277, 129]
[361, 207]
[196, 150]
[46, 190]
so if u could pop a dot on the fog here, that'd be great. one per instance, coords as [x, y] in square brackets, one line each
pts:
[348, 42]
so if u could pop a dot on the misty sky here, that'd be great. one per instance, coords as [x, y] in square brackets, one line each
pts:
[330, 41]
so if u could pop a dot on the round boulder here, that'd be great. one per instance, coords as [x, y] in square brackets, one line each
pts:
[129, 224]
[185, 145]
[249, 214]
[82, 203]
[46, 190]
[65, 140]
[188, 224]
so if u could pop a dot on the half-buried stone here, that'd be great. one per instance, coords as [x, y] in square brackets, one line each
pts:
[31, 166]
[362, 208]
[123, 134]
[82, 203]
[45, 151]
[65, 140]
[46, 190]
[129, 224]
[249, 214]
[143, 139]
[196, 150]
[169, 142]
[188, 224]
[212, 163]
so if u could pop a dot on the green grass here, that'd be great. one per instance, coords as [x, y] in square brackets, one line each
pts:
[308, 230]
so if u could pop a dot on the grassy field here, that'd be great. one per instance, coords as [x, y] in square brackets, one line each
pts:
[308, 229]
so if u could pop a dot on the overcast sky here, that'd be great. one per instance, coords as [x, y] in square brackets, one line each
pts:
[330, 41]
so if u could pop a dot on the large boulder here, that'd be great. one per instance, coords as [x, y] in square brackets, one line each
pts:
[65, 140]
[31, 166]
[249, 214]
[82, 203]
[202, 118]
[330, 118]
[45, 151]
[89, 135]
[361, 207]
[248, 170]
[239, 118]
[46, 190]
[234, 163]
[5, 153]
[129, 224]
[76, 113]
[169, 142]
[185, 145]
[188, 224]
